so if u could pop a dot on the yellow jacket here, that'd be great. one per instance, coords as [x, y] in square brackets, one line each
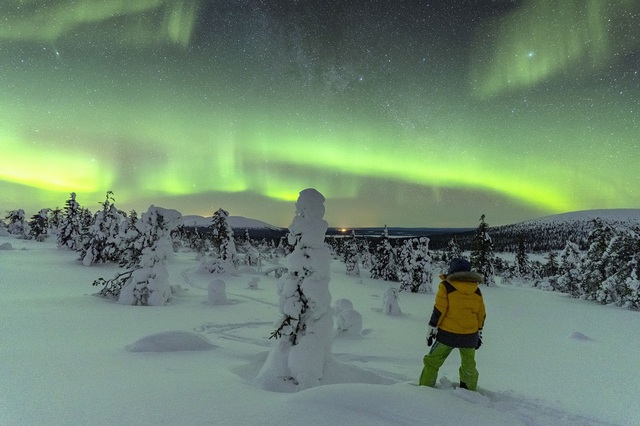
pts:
[459, 310]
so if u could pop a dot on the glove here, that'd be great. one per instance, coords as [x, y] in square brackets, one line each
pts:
[479, 339]
[431, 335]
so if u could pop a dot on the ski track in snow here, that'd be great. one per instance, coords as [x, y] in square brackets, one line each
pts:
[185, 274]
[223, 331]
[531, 412]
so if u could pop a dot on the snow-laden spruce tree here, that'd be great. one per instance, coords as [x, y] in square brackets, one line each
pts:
[39, 225]
[384, 260]
[55, 219]
[365, 255]
[145, 280]
[69, 232]
[621, 260]
[482, 254]
[224, 257]
[523, 268]
[16, 224]
[550, 268]
[304, 332]
[569, 270]
[453, 250]
[148, 284]
[416, 266]
[351, 256]
[103, 238]
[594, 261]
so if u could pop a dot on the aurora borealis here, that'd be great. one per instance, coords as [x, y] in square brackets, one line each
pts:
[406, 113]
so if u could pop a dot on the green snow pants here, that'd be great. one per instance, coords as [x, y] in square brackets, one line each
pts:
[436, 357]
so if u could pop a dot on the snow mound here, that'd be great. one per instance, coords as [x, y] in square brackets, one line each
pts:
[171, 341]
[6, 246]
[335, 373]
[576, 335]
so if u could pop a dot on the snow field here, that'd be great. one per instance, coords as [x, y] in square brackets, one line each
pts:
[65, 357]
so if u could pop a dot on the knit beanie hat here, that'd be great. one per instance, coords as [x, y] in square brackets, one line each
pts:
[459, 265]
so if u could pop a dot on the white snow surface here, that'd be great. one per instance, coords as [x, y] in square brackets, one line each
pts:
[546, 359]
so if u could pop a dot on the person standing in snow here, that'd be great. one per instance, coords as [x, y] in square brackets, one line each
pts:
[457, 321]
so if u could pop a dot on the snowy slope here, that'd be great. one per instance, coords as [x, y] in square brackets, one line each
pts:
[236, 222]
[625, 216]
[546, 359]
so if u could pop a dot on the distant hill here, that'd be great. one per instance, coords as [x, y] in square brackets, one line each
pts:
[546, 233]
[614, 216]
[236, 222]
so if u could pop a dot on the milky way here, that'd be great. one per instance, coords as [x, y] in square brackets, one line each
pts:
[406, 113]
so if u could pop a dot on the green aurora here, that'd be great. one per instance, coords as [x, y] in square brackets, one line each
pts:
[405, 114]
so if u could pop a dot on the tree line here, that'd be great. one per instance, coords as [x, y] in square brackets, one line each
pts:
[598, 260]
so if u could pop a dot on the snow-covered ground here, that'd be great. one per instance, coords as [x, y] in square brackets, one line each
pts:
[69, 358]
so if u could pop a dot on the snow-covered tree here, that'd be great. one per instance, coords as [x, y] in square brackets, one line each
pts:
[391, 302]
[130, 248]
[351, 256]
[523, 267]
[631, 298]
[416, 266]
[224, 258]
[146, 280]
[452, 251]
[304, 332]
[384, 260]
[103, 239]
[69, 232]
[16, 224]
[621, 260]
[365, 254]
[569, 271]
[482, 254]
[551, 267]
[39, 225]
[594, 261]
[217, 292]
[55, 219]
[349, 323]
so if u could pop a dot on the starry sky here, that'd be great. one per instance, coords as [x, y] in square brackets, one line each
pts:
[409, 113]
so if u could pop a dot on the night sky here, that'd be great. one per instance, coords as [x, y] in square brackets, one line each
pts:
[405, 113]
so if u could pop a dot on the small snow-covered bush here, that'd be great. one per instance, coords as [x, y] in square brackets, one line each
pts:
[342, 304]
[390, 303]
[349, 323]
[217, 292]
[253, 283]
[148, 286]
[216, 265]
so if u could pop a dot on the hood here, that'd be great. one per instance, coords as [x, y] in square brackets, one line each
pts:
[465, 282]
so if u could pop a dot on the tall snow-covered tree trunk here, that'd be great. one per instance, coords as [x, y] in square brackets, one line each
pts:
[304, 332]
